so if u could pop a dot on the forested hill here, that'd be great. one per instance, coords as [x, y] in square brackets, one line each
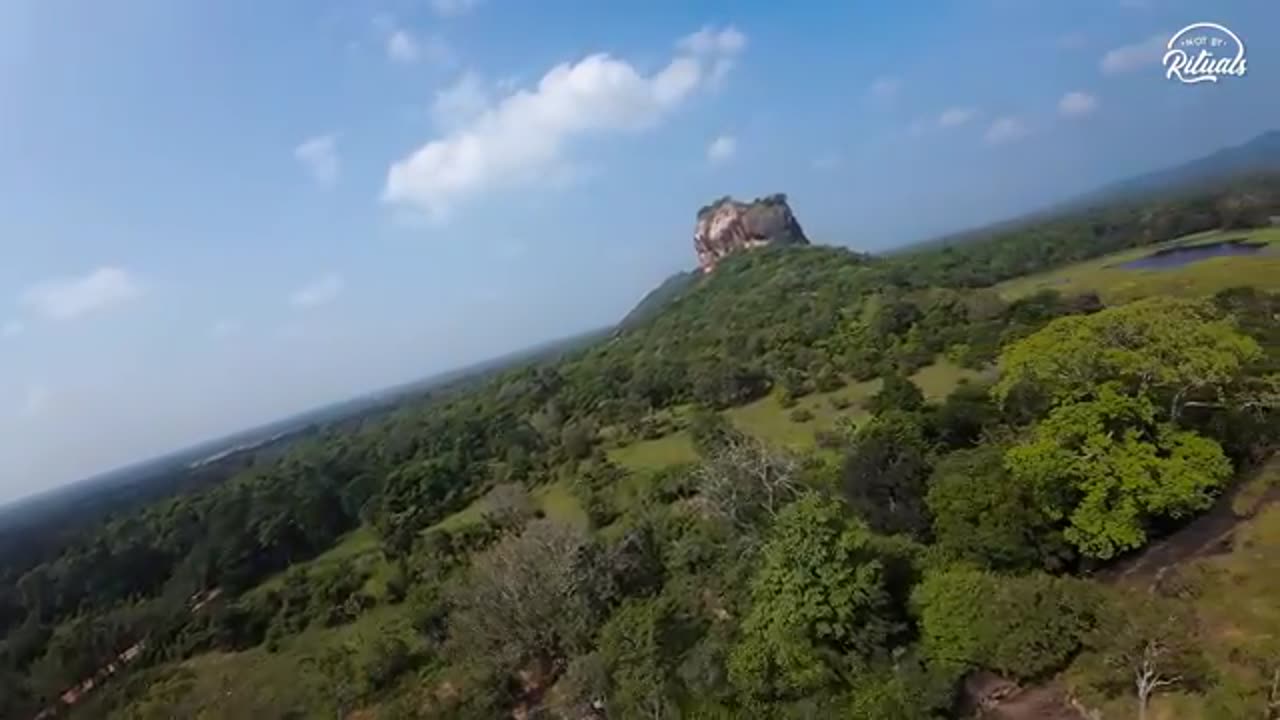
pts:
[593, 534]
[1242, 165]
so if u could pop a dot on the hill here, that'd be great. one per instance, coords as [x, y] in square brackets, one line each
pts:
[659, 297]
[1258, 157]
[661, 517]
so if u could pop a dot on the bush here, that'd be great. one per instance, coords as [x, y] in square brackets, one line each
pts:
[840, 402]
[1024, 627]
[801, 415]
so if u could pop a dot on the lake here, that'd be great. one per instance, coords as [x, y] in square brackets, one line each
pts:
[1176, 257]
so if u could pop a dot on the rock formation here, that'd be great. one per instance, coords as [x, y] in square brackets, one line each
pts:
[727, 226]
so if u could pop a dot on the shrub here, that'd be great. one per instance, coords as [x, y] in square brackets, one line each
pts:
[801, 415]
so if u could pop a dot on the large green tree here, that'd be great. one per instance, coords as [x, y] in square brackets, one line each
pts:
[821, 603]
[1162, 348]
[1107, 468]
[1108, 456]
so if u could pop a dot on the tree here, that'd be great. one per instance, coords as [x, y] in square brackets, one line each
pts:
[336, 678]
[820, 604]
[508, 505]
[1147, 643]
[1165, 349]
[636, 649]
[744, 480]
[897, 393]
[1107, 468]
[529, 600]
[983, 516]
[1023, 627]
[885, 473]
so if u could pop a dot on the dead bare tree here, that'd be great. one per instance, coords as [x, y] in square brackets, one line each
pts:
[744, 479]
[1151, 639]
[1149, 675]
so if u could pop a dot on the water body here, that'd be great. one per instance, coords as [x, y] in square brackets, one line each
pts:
[1176, 257]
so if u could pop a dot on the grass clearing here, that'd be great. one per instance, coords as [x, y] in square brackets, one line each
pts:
[768, 420]
[258, 683]
[1254, 489]
[559, 504]
[938, 380]
[1234, 597]
[655, 454]
[1206, 277]
[360, 546]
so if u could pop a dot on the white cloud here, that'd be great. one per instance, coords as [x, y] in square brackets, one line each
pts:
[720, 47]
[68, 298]
[402, 48]
[956, 116]
[721, 149]
[709, 41]
[1077, 103]
[1006, 129]
[460, 103]
[319, 291]
[319, 155]
[453, 8]
[522, 138]
[885, 88]
[12, 329]
[1128, 58]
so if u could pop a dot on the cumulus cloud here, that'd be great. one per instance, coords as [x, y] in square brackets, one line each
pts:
[722, 47]
[319, 155]
[12, 329]
[460, 103]
[1077, 103]
[521, 138]
[1006, 129]
[402, 48]
[453, 8]
[1128, 58]
[69, 298]
[956, 116]
[319, 291]
[722, 149]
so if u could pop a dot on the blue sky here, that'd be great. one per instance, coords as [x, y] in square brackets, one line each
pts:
[215, 214]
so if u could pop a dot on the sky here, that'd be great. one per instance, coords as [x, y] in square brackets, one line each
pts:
[217, 214]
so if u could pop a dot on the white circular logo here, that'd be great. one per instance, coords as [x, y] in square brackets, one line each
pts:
[1204, 52]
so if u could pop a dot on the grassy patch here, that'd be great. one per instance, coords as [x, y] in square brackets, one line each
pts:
[937, 381]
[655, 454]
[1253, 490]
[1118, 285]
[1234, 598]
[360, 546]
[768, 420]
[559, 504]
[256, 683]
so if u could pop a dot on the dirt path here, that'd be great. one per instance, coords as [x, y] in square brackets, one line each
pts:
[1208, 535]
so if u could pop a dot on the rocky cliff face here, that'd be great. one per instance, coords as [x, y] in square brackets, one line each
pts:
[727, 226]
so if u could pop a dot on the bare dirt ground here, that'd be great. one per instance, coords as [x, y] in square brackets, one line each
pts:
[1208, 535]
